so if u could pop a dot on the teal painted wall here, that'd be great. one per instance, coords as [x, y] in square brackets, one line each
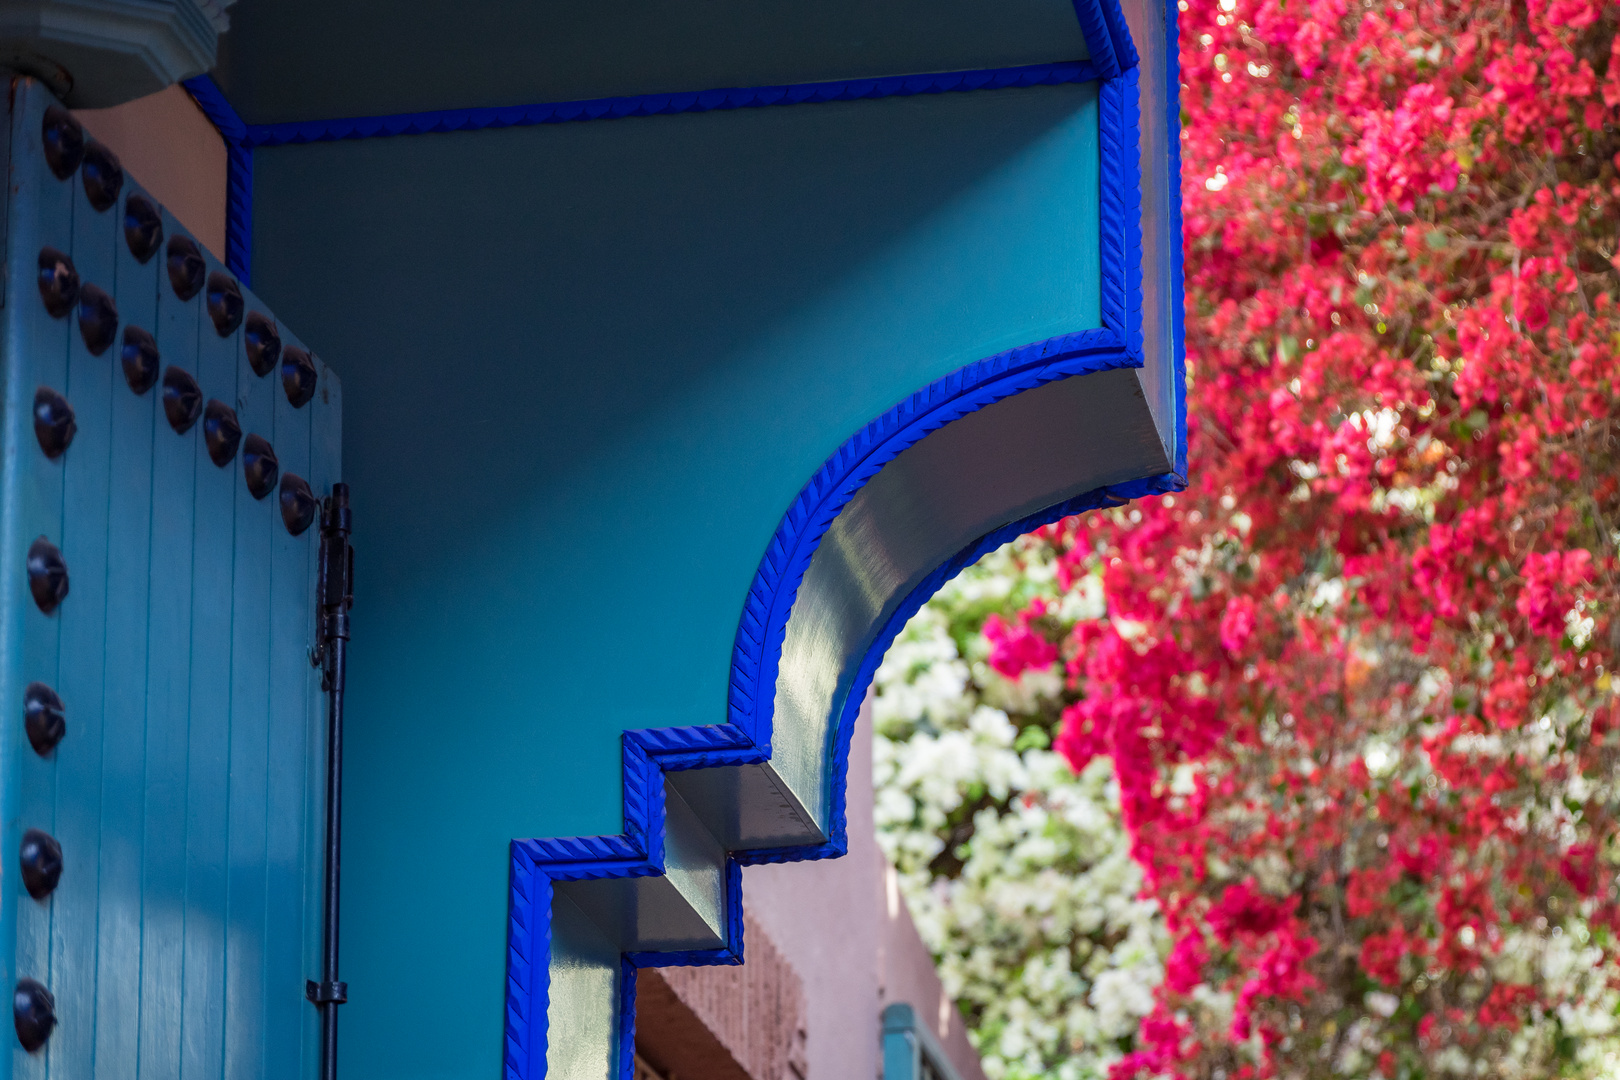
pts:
[586, 369]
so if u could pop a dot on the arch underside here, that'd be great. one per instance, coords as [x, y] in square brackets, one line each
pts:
[929, 508]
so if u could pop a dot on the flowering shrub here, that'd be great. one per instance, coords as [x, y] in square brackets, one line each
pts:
[1017, 871]
[1355, 681]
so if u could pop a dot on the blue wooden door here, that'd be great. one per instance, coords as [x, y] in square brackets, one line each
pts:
[157, 570]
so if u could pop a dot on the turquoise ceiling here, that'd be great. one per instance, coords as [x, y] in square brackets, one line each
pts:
[287, 60]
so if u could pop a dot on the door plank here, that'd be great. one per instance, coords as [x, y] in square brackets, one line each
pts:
[40, 349]
[124, 700]
[208, 778]
[83, 653]
[248, 960]
[297, 752]
[168, 710]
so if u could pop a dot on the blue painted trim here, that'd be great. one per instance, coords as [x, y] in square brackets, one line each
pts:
[751, 97]
[627, 1021]
[910, 1050]
[238, 174]
[1107, 37]
[1178, 284]
[1120, 120]
[1099, 39]
[528, 962]
[211, 100]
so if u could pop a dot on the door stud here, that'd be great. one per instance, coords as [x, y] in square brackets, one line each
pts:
[44, 718]
[64, 142]
[41, 858]
[298, 504]
[143, 228]
[103, 176]
[224, 303]
[297, 376]
[260, 468]
[53, 422]
[33, 1010]
[141, 359]
[47, 575]
[98, 319]
[182, 399]
[186, 267]
[58, 282]
[263, 343]
[221, 432]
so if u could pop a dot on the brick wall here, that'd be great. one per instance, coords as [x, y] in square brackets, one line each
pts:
[724, 1023]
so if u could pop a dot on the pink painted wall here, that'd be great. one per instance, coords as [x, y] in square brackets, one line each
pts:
[844, 928]
[170, 148]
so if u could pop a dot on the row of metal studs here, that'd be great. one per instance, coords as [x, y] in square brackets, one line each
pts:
[60, 290]
[40, 855]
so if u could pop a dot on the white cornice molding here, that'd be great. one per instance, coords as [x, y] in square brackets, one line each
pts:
[96, 53]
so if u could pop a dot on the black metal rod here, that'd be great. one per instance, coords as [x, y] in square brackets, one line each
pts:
[334, 597]
[334, 860]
